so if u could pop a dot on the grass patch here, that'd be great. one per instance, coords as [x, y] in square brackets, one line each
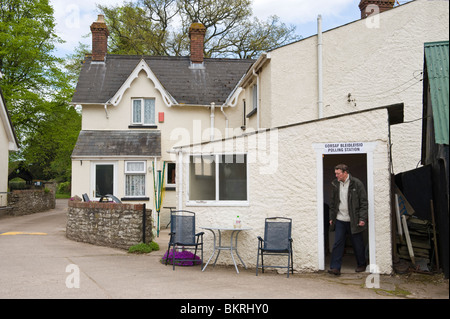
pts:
[398, 292]
[62, 196]
[144, 248]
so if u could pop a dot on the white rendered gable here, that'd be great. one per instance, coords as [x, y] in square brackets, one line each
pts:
[12, 145]
[142, 66]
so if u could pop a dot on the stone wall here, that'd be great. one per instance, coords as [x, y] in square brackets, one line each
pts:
[108, 224]
[24, 202]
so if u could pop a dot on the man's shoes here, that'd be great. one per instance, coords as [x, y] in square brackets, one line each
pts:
[335, 272]
[360, 269]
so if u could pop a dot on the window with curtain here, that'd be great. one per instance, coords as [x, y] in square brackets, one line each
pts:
[143, 111]
[135, 179]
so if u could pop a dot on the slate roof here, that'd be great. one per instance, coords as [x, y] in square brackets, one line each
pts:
[98, 82]
[118, 143]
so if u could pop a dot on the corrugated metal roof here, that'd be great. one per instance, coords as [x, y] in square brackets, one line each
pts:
[437, 63]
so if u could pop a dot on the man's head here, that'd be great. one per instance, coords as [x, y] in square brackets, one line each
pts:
[341, 172]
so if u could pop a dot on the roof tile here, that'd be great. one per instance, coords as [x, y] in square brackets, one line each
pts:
[118, 143]
[99, 81]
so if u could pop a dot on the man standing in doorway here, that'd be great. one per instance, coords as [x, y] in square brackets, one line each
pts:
[348, 215]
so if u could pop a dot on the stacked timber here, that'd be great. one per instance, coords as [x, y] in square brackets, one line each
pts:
[419, 231]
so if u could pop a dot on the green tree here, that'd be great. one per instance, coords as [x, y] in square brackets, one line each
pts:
[160, 27]
[34, 84]
[49, 148]
[27, 40]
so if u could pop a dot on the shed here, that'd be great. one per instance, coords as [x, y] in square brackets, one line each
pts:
[435, 136]
[285, 171]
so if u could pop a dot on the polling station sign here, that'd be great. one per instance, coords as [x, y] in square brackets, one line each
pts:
[345, 148]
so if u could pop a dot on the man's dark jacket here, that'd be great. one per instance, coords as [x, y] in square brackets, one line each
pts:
[357, 204]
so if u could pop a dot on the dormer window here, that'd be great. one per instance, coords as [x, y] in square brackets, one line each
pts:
[143, 112]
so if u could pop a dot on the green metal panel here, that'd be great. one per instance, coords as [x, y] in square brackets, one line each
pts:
[437, 62]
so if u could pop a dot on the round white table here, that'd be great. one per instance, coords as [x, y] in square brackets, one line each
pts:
[234, 235]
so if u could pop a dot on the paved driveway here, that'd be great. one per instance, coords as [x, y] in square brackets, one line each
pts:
[38, 261]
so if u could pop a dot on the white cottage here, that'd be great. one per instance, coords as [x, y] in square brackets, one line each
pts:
[136, 108]
[8, 143]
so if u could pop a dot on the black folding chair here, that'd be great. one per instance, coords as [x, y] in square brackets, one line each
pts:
[277, 241]
[182, 234]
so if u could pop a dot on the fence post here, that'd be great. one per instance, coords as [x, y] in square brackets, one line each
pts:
[144, 217]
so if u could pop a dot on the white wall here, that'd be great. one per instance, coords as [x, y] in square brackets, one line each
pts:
[287, 185]
[4, 155]
[379, 62]
[7, 144]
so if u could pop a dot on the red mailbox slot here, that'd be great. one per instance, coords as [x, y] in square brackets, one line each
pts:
[161, 117]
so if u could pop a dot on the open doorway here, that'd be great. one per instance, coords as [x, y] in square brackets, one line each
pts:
[357, 164]
[103, 179]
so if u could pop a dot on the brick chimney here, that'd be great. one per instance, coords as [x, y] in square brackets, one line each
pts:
[100, 35]
[197, 33]
[367, 6]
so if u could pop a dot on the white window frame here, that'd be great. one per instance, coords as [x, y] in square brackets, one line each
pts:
[170, 185]
[141, 122]
[136, 172]
[217, 202]
[140, 172]
[255, 96]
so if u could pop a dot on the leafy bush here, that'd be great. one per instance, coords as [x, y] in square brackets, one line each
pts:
[64, 188]
[154, 245]
[18, 184]
[144, 248]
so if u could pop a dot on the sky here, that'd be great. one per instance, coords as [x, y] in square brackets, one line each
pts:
[73, 18]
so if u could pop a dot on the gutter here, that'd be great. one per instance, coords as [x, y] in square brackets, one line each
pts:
[262, 60]
[226, 121]
[213, 106]
[106, 110]
[258, 95]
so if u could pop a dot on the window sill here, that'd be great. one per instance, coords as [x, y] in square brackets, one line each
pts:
[252, 112]
[130, 199]
[142, 126]
[218, 203]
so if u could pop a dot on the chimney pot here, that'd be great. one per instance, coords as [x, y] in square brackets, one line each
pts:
[383, 5]
[197, 33]
[100, 35]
